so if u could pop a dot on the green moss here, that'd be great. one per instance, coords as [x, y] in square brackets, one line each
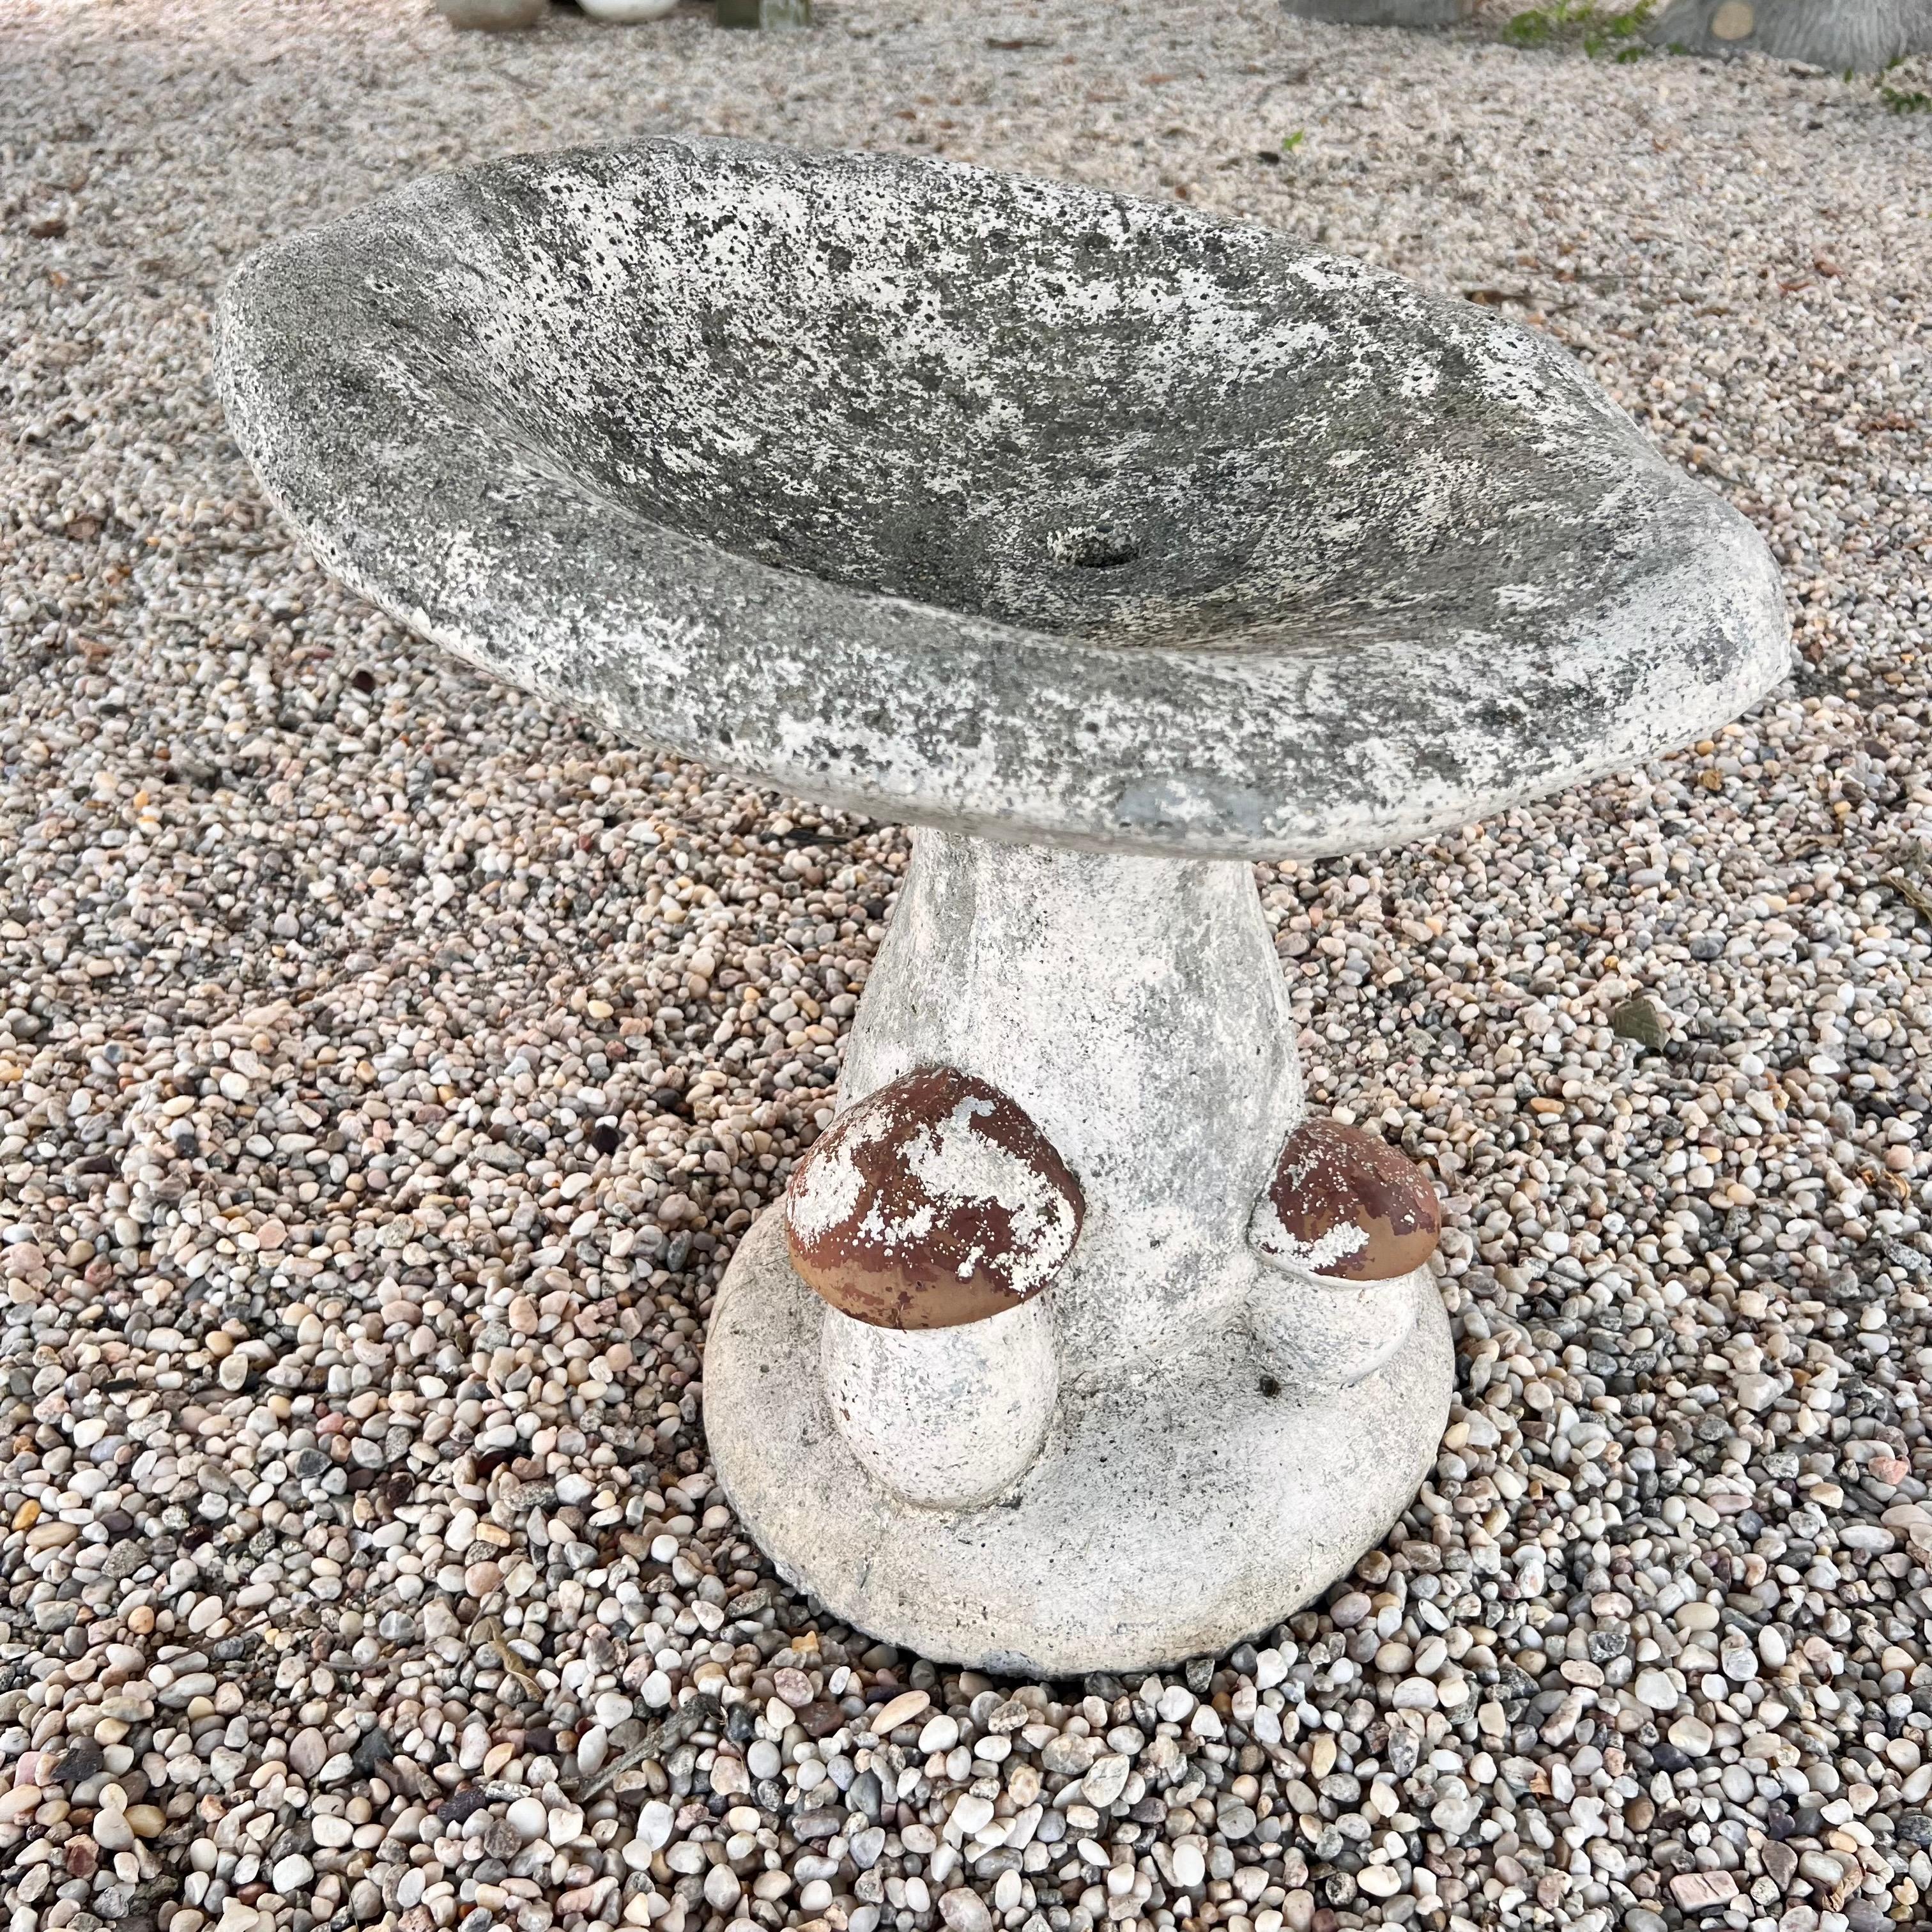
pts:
[1601, 32]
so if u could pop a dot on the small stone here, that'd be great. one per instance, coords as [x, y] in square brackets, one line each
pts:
[1176, 1704]
[1703, 1891]
[527, 1818]
[1234, 1819]
[1692, 1735]
[1639, 1019]
[112, 1831]
[291, 1874]
[900, 1710]
[655, 1822]
[1106, 1779]
[972, 1813]
[965, 1911]
[1654, 1689]
[793, 1686]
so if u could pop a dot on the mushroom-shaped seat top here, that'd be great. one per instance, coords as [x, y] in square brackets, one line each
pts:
[988, 502]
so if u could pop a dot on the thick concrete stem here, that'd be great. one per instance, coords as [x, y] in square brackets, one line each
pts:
[1133, 1007]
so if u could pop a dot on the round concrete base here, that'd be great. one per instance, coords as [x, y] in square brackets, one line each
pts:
[1172, 1511]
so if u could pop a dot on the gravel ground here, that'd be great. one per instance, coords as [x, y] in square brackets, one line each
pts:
[388, 1065]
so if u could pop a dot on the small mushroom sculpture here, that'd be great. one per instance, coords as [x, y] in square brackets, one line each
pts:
[1343, 1202]
[1345, 1222]
[936, 1203]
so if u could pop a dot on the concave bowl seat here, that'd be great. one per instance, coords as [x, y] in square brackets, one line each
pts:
[989, 502]
[1114, 547]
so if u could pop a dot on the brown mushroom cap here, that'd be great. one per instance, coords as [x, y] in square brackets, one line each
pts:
[933, 1201]
[1344, 1202]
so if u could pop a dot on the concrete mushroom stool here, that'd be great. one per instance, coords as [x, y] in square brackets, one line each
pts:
[1114, 548]
[1843, 36]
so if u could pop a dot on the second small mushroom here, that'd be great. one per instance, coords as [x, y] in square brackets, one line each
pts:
[1344, 1203]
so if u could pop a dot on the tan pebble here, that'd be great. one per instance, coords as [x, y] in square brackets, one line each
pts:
[146, 1821]
[900, 1710]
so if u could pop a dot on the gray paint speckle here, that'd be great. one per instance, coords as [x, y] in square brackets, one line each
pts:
[974, 500]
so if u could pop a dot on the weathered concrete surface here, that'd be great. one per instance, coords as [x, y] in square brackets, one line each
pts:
[1173, 1390]
[943, 1418]
[1859, 36]
[1134, 1008]
[985, 502]
[1171, 1512]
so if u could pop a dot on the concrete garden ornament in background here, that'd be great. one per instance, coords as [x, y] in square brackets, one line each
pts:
[1114, 549]
[1384, 12]
[1860, 36]
[763, 14]
[493, 16]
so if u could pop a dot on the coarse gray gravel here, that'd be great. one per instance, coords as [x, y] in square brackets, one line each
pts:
[388, 1065]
